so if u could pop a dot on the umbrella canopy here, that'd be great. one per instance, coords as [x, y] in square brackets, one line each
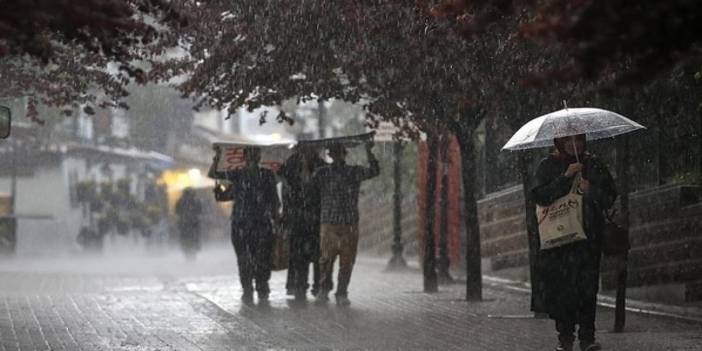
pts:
[595, 123]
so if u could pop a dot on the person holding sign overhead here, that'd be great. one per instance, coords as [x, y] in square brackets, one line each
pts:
[254, 212]
[338, 185]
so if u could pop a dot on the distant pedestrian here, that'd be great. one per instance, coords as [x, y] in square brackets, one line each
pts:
[339, 185]
[301, 210]
[254, 212]
[188, 209]
[570, 273]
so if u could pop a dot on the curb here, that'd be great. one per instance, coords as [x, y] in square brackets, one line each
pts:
[689, 314]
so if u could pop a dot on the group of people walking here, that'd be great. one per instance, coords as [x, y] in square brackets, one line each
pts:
[319, 211]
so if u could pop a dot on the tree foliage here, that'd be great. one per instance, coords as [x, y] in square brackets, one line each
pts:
[625, 40]
[387, 55]
[58, 52]
[256, 53]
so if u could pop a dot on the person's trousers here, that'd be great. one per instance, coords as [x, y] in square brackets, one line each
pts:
[304, 249]
[337, 240]
[253, 244]
[299, 272]
[585, 320]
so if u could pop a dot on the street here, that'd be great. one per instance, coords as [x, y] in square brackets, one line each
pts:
[164, 303]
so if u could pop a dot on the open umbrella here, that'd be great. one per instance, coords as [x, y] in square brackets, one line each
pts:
[595, 123]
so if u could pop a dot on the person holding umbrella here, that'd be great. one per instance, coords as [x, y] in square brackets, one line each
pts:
[570, 273]
[572, 189]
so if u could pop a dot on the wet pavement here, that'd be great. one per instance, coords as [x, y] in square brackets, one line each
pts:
[165, 303]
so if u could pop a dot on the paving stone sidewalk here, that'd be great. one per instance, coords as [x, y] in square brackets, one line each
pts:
[180, 306]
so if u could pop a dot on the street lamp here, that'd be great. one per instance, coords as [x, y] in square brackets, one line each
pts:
[397, 261]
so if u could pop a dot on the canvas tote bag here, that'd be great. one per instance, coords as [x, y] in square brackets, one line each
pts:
[561, 223]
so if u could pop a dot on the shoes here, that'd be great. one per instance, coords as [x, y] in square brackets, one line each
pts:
[590, 346]
[343, 301]
[300, 296]
[247, 299]
[263, 297]
[322, 298]
[564, 347]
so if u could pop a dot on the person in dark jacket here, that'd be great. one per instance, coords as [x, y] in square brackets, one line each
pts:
[570, 273]
[254, 212]
[301, 207]
[188, 209]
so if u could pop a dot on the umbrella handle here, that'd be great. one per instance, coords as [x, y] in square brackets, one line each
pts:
[575, 148]
[572, 138]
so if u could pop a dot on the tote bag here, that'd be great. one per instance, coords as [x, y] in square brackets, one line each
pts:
[561, 223]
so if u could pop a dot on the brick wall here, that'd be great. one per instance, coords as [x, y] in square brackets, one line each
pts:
[503, 229]
[666, 237]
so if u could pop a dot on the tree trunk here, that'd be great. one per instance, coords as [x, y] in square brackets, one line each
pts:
[474, 282]
[429, 266]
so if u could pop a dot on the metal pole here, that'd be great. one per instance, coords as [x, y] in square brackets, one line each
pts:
[623, 178]
[430, 278]
[397, 261]
[13, 177]
[322, 118]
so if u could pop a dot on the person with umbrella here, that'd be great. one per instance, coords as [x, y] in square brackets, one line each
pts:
[569, 271]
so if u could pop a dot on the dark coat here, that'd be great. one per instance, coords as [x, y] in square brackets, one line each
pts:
[301, 202]
[188, 208]
[569, 275]
[254, 192]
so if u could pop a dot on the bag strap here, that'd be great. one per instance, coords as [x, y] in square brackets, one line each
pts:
[576, 183]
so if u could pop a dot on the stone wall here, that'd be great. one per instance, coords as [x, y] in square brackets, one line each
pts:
[503, 229]
[666, 237]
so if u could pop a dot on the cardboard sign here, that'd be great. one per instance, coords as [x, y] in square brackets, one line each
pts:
[232, 157]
